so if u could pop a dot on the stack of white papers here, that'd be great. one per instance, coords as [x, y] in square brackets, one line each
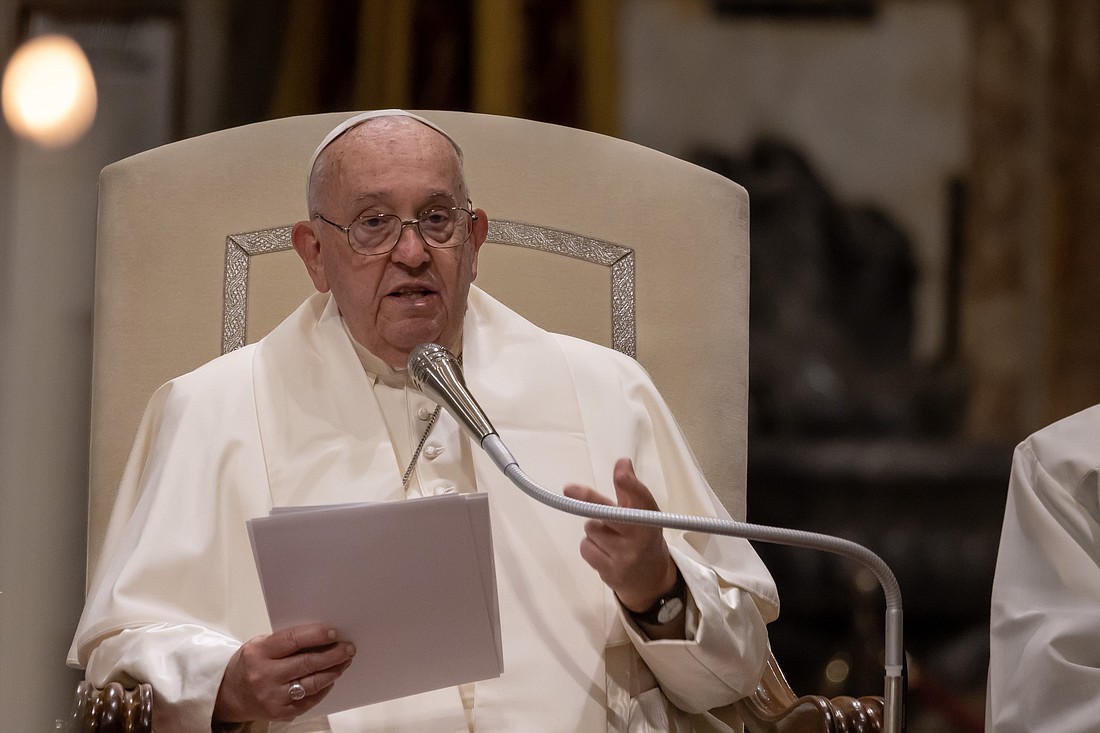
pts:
[410, 583]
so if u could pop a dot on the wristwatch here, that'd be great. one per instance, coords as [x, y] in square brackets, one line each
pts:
[667, 607]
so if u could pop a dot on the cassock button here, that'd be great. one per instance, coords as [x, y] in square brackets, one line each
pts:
[424, 413]
[432, 452]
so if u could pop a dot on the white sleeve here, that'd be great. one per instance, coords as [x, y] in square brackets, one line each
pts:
[723, 655]
[1045, 617]
[183, 663]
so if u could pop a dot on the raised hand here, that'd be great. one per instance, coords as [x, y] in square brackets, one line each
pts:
[633, 560]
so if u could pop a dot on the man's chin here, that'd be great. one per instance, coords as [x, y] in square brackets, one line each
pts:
[404, 345]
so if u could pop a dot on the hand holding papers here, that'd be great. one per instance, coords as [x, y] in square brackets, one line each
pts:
[410, 583]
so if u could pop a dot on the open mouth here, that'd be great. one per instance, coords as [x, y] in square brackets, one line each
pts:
[412, 294]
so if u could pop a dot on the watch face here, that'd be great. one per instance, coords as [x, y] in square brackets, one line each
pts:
[670, 610]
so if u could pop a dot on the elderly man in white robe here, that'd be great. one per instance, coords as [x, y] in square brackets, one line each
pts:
[1044, 661]
[321, 411]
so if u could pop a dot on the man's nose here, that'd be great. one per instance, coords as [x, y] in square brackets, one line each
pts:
[411, 249]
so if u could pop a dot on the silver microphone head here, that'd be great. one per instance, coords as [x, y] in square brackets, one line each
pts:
[438, 374]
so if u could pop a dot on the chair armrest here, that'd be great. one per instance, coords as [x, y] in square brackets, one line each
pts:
[112, 709]
[774, 708]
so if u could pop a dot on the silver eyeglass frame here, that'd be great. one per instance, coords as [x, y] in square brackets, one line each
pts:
[401, 230]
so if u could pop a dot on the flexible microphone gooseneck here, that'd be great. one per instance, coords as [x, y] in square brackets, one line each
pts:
[437, 373]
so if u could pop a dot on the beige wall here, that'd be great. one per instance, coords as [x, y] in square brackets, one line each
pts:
[45, 300]
[47, 255]
[46, 309]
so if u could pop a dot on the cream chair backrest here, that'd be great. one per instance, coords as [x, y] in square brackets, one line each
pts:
[617, 243]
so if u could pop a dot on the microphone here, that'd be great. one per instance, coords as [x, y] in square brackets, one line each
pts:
[437, 373]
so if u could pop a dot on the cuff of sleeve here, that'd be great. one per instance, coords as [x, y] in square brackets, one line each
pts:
[183, 663]
[722, 657]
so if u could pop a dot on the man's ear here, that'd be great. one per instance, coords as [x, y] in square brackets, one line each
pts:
[477, 238]
[308, 246]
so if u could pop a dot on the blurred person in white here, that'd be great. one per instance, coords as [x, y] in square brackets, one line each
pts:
[320, 411]
[1044, 661]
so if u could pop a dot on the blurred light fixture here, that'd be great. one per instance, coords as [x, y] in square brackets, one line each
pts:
[49, 93]
[836, 671]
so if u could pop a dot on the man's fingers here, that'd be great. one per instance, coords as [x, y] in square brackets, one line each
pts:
[316, 671]
[629, 490]
[296, 708]
[290, 641]
[584, 493]
[321, 660]
[320, 682]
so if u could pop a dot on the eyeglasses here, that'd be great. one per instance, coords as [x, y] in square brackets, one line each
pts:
[441, 227]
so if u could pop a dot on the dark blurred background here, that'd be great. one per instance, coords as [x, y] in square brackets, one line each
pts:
[922, 178]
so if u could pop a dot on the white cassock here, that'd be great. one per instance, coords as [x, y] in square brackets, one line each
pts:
[295, 419]
[1044, 662]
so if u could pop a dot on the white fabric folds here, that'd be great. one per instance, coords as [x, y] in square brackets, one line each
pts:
[292, 421]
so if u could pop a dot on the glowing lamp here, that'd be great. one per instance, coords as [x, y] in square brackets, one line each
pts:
[49, 93]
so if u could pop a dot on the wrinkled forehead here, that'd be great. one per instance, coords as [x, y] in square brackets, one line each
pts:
[359, 119]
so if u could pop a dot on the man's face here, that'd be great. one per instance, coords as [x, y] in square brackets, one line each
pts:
[415, 293]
